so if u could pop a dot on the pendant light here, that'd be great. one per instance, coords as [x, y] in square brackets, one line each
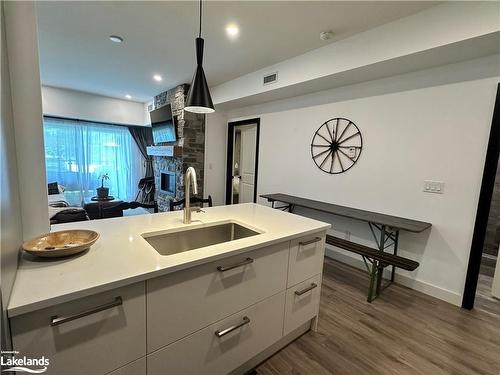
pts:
[198, 97]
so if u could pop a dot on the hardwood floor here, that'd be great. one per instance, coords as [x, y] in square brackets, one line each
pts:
[401, 332]
[484, 300]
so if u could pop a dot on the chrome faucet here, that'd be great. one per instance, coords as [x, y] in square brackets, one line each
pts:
[189, 178]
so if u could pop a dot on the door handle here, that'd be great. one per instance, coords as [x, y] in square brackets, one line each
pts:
[304, 243]
[220, 333]
[305, 290]
[236, 265]
[56, 320]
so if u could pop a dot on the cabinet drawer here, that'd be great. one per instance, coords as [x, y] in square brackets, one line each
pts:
[107, 331]
[186, 301]
[306, 258]
[205, 353]
[134, 368]
[302, 303]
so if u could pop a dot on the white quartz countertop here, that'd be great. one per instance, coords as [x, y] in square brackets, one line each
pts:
[122, 256]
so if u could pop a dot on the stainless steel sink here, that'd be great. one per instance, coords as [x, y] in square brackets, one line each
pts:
[195, 238]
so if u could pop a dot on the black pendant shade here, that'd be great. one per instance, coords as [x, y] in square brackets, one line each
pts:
[198, 97]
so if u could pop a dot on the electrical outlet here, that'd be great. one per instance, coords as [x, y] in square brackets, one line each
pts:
[436, 187]
[347, 235]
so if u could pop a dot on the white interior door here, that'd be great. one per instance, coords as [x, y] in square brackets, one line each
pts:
[247, 163]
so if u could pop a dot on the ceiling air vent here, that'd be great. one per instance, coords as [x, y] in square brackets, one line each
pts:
[270, 78]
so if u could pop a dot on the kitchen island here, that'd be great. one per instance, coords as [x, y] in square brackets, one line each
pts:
[130, 305]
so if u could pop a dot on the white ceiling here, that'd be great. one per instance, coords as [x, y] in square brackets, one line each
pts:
[75, 51]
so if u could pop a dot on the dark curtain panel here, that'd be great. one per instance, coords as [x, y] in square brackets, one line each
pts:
[143, 136]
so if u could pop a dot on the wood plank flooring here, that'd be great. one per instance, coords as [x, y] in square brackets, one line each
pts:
[484, 300]
[401, 332]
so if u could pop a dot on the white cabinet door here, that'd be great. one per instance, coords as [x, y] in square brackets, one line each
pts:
[306, 257]
[186, 301]
[247, 161]
[95, 343]
[255, 329]
[134, 368]
[302, 303]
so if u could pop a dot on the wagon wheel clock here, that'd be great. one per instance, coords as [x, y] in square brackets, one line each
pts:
[336, 145]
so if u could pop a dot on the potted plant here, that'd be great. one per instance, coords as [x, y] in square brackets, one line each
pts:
[103, 192]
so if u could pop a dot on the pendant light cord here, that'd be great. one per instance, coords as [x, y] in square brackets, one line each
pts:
[199, 35]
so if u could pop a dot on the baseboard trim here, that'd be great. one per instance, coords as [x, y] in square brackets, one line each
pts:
[421, 286]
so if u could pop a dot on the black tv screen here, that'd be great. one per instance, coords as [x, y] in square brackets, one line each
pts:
[162, 124]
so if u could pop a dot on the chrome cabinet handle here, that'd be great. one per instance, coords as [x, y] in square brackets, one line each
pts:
[316, 239]
[224, 332]
[305, 290]
[227, 268]
[56, 320]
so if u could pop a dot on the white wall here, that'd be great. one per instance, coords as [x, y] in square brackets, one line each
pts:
[73, 104]
[215, 156]
[22, 48]
[412, 131]
[10, 207]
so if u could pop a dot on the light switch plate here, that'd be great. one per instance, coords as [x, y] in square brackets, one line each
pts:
[436, 187]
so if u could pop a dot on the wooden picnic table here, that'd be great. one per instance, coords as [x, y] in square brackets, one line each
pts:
[390, 221]
[388, 227]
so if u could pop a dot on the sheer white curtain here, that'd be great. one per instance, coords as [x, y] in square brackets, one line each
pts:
[78, 152]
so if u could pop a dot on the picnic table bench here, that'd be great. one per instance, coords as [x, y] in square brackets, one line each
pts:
[387, 226]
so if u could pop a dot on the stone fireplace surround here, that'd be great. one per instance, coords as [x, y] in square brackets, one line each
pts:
[190, 136]
[168, 182]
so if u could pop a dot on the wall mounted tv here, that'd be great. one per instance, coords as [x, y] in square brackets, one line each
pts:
[162, 124]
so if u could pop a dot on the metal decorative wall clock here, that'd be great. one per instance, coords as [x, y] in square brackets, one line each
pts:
[336, 145]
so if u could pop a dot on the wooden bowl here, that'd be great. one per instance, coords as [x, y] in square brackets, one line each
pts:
[62, 243]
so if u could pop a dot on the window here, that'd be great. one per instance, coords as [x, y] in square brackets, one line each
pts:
[78, 152]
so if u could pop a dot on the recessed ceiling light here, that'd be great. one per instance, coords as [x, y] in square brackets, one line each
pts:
[116, 38]
[128, 96]
[232, 30]
[157, 77]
